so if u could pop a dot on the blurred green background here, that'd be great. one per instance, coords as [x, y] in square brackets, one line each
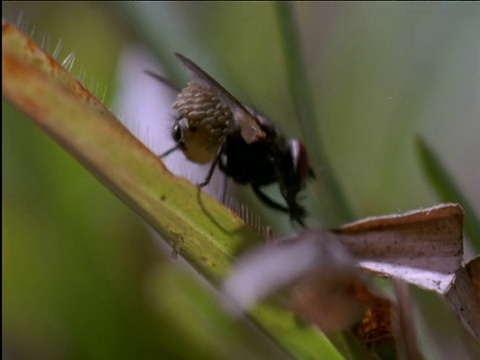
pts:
[77, 262]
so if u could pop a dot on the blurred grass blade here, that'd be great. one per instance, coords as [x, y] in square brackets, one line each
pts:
[203, 231]
[297, 76]
[221, 336]
[335, 208]
[447, 190]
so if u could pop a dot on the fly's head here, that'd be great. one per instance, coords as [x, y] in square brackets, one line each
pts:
[202, 123]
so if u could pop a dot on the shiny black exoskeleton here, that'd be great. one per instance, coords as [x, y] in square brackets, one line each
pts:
[262, 163]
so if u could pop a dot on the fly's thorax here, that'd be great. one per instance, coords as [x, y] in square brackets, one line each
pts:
[263, 120]
[267, 126]
[204, 121]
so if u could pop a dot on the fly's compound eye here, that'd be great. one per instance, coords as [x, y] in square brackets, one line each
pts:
[177, 134]
[300, 160]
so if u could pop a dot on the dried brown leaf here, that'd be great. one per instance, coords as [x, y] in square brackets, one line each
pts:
[423, 247]
[323, 283]
[464, 298]
[375, 328]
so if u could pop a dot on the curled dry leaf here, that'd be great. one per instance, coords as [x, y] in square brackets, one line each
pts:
[375, 329]
[473, 271]
[463, 296]
[325, 286]
[422, 247]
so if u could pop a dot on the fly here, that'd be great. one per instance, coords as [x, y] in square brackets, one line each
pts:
[213, 126]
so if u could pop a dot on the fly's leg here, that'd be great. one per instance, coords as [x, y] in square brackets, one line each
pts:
[223, 167]
[289, 192]
[169, 151]
[213, 166]
[267, 201]
[296, 212]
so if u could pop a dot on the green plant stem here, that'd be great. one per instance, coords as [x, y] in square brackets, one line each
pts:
[197, 226]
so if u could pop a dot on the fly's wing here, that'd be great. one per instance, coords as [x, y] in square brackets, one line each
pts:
[163, 80]
[249, 126]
